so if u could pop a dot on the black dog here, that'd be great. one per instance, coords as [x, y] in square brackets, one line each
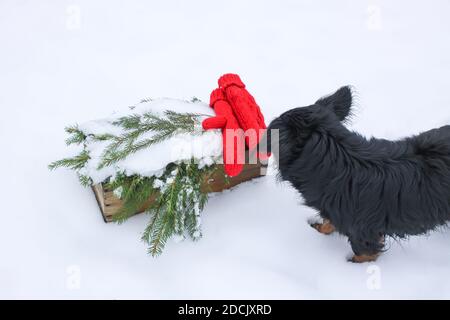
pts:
[364, 189]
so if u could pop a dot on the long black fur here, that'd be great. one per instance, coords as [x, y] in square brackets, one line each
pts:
[367, 188]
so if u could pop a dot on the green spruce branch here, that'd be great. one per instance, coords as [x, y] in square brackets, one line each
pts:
[176, 207]
[84, 180]
[76, 136]
[163, 127]
[135, 192]
[74, 163]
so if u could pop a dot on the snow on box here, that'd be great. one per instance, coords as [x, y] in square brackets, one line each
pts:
[204, 146]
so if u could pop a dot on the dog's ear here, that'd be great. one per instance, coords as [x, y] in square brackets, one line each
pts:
[340, 102]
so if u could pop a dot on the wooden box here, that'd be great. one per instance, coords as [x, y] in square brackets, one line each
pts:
[109, 204]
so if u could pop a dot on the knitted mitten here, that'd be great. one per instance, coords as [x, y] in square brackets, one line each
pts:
[232, 135]
[245, 108]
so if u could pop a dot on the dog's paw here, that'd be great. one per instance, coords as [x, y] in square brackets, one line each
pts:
[363, 258]
[325, 227]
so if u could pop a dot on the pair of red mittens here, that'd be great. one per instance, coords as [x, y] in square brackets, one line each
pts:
[239, 117]
[231, 134]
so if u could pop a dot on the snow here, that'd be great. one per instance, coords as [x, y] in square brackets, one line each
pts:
[256, 241]
[204, 147]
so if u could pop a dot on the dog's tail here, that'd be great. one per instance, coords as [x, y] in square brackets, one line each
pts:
[433, 143]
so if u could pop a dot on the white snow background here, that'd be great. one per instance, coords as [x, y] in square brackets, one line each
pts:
[63, 62]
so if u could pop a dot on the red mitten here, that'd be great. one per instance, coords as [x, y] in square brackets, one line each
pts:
[245, 108]
[233, 150]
